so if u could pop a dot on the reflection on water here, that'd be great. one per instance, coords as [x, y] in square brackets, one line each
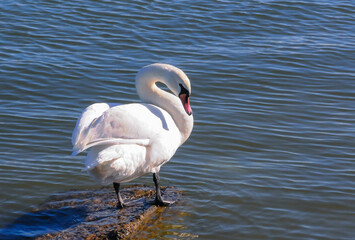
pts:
[168, 223]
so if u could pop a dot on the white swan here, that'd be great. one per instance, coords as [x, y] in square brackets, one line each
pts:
[128, 141]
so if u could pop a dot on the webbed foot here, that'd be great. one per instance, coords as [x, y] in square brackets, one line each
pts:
[120, 205]
[162, 203]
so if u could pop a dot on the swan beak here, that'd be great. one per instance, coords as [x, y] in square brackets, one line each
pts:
[184, 97]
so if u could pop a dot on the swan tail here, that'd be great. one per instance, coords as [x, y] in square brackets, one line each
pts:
[120, 163]
[87, 118]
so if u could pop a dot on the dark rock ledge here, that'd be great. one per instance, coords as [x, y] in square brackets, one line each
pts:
[89, 214]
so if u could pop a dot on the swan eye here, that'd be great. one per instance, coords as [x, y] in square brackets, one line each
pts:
[183, 90]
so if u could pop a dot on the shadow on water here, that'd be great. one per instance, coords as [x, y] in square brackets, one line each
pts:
[41, 222]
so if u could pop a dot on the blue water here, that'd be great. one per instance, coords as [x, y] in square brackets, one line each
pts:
[273, 94]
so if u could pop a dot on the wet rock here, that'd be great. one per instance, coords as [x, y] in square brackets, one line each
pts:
[89, 214]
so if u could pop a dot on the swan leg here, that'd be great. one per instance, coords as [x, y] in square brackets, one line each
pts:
[120, 203]
[158, 199]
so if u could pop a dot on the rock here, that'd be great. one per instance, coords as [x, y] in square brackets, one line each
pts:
[89, 214]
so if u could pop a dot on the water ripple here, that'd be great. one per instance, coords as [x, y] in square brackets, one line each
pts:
[271, 153]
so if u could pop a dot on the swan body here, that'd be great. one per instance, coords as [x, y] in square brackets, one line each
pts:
[128, 141]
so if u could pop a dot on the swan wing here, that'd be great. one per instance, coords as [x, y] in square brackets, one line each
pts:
[115, 141]
[106, 124]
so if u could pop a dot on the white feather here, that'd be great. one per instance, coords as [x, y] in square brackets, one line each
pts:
[128, 141]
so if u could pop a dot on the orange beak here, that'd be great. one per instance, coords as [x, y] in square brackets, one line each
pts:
[184, 97]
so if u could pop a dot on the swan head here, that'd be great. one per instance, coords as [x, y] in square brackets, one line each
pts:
[174, 78]
[180, 85]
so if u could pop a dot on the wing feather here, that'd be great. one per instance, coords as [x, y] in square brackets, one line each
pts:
[113, 141]
[105, 124]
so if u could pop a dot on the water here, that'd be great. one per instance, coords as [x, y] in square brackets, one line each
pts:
[273, 94]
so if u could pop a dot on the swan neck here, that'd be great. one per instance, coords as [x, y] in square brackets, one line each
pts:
[149, 93]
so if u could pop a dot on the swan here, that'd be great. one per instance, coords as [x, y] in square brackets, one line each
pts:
[130, 140]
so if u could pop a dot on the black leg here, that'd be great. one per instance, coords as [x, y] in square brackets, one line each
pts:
[158, 199]
[120, 203]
